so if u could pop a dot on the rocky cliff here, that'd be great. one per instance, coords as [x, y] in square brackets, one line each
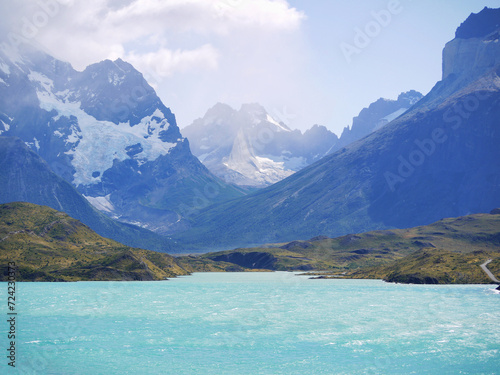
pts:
[475, 47]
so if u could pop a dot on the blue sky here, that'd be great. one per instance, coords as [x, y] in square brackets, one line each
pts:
[290, 56]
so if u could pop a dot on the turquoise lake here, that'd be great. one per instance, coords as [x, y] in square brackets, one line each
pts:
[253, 323]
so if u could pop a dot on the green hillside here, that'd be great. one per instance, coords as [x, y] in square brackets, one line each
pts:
[48, 245]
[435, 266]
[26, 177]
[448, 251]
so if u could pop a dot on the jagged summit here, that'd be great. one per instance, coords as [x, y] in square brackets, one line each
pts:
[248, 147]
[475, 48]
[375, 116]
[480, 24]
[438, 159]
[107, 132]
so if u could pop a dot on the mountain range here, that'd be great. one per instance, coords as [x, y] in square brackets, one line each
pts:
[375, 116]
[108, 140]
[439, 159]
[250, 148]
[105, 131]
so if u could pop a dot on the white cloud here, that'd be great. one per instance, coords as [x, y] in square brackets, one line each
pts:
[194, 52]
[150, 33]
[206, 16]
[165, 62]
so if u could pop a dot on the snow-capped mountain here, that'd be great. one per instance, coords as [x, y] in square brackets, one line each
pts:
[105, 131]
[440, 159]
[27, 178]
[377, 115]
[250, 148]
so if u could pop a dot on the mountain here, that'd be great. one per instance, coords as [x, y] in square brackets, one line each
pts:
[440, 159]
[105, 131]
[250, 148]
[377, 115]
[48, 245]
[448, 251]
[25, 176]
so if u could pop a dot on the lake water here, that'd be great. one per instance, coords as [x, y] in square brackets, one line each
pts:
[254, 323]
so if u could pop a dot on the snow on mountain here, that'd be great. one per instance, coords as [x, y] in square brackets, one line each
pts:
[105, 131]
[252, 169]
[92, 141]
[439, 159]
[91, 158]
[250, 148]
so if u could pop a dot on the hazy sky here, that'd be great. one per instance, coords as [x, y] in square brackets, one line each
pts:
[307, 61]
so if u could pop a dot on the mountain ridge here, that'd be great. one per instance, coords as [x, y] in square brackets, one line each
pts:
[107, 132]
[248, 147]
[436, 160]
[449, 251]
[25, 176]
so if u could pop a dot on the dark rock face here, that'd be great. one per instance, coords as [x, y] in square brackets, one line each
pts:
[480, 24]
[412, 279]
[475, 47]
[496, 211]
[253, 260]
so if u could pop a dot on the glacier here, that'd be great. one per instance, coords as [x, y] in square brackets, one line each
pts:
[90, 158]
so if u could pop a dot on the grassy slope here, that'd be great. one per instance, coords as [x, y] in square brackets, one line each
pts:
[25, 176]
[448, 251]
[434, 266]
[48, 245]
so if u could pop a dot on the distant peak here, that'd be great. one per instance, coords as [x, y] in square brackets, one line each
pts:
[409, 98]
[223, 106]
[219, 110]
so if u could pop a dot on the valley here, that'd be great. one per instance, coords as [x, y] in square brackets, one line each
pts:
[100, 146]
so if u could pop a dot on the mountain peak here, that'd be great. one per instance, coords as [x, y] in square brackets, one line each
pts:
[475, 49]
[480, 24]
[252, 108]
[106, 131]
[409, 98]
[250, 148]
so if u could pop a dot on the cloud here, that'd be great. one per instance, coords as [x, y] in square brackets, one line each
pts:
[206, 16]
[165, 62]
[83, 32]
[194, 52]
